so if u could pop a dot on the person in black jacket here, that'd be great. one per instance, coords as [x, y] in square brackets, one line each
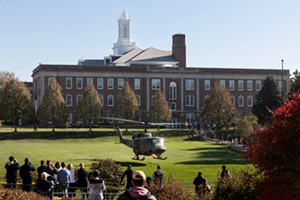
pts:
[82, 182]
[26, 174]
[12, 167]
[198, 181]
[46, 185]
[129, 172]
[40, 169]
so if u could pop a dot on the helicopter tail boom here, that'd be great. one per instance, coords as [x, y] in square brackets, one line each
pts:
[120, 133]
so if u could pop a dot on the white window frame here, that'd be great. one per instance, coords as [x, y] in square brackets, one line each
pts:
[249, 85]
[189, 100]
[280, 85]
[110, 83]
[89, 80]
[138, 98]
[189, 84]
[206, 83]
[70, 118]
[155, 84]
[231, 85]
[77, 81]
[259, 85]
[173, 106]
[69, 79]
[112, 100]
[101, 99]
[120, 83]
[233, 99]
[77, 99]
[137, 84]
[242, 98]
[223, 83]
[248, 98]
[190, 117]
[69, 96]
[49, 80]
[241, 83]
[173, 90]
[110, 115]
[99, 83]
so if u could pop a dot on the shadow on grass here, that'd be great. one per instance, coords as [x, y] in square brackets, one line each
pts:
[215, 155]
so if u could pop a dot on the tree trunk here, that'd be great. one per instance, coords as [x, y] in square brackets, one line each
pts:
[90, 126]
[53, 128]
[16, 128]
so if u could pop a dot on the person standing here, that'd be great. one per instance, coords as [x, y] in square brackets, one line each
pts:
[46, 185]
[96, 186]
[40, 170]
[157, 177]
[129, 172]
[72, 185]
[12, 167]
[225, 173]
[83, 180]
[26, 174]
[138, 191]
[63, 177]
[197, 182]
[50, 168]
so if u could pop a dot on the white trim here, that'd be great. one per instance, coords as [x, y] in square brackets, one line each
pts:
[112, 83]
[137, 86]
[231, 89]
[241, 97]
[81, 80]
[98, 85]
[69, 95]
[112, 100]
[208, 83]
[251, 83]
[70, 79]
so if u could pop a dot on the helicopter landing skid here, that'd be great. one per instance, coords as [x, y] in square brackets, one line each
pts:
[136, 158]
[159, 157]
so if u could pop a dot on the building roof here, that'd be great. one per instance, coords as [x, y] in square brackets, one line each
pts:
[124, 16]
[88, 62]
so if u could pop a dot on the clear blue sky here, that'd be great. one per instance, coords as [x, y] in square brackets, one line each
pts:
[233, 34]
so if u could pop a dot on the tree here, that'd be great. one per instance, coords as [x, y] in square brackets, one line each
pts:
[16, 103]
[295, 84]
[275, 151]
[89, 108]
[218, 107]
[160, 110]
[244, 127]
[127, 106]
[268, 99]
[53, 107]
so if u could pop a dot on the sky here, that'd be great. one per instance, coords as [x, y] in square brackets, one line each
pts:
[254, 34]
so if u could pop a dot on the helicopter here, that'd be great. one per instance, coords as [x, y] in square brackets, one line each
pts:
[142, 143]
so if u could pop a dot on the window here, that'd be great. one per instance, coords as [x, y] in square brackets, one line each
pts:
[258, 85]
[110, 100]
[89, 81]
[101, 99]
[190, 117]
[249, 85]
[241, 101]
[241, 85]
[280, 85]
[155, 84]
[100, 83]
[110, 115]
[137, 84]
[189, 100]
[189, 84]
[69, 100]
[249, 101]
[78, 98]
[110, 83]
[173, 91]
[152, 99]
[68, 83]
[70, 118]
[49, 80]
[138, 98]
[222, 83]
[233, 100]
[207, 84]
[120, 83]
[231, 85]
[79, 83]
[173, 106]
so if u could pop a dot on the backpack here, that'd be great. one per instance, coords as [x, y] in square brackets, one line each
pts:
[139, 198]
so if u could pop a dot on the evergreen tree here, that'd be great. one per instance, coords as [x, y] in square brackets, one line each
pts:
[89, 108]
[219, 108]
[16, 103]
[268, 100]
[127, 106]
[160, 110]
[295, 87]
[53, 107]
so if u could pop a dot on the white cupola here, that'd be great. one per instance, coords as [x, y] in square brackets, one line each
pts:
[124, 43]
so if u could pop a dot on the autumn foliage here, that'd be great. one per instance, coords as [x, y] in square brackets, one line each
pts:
[19, 194]
[275, 151]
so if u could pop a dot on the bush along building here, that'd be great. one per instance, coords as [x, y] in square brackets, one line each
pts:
[149, 70]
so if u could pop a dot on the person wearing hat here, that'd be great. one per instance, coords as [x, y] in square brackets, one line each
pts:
[26, 174]
[12, 167]
[46, 185]
[198, 181]
[138, 191]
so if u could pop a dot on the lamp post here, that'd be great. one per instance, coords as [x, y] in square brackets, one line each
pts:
[282, 79]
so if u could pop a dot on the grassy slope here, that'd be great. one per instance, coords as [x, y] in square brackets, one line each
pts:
[185, 156]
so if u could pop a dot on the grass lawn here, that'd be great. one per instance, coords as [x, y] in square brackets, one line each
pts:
[186, 156]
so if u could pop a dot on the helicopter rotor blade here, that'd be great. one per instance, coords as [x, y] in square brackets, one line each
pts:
[123, 120]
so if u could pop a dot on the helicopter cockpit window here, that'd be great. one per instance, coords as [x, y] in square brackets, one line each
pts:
[158, 141]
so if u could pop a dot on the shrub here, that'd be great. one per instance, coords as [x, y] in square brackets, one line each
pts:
[172, 190]
[6, 193]
[241, 185]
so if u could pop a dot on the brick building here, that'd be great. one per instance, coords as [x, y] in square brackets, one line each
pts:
[150, 70]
